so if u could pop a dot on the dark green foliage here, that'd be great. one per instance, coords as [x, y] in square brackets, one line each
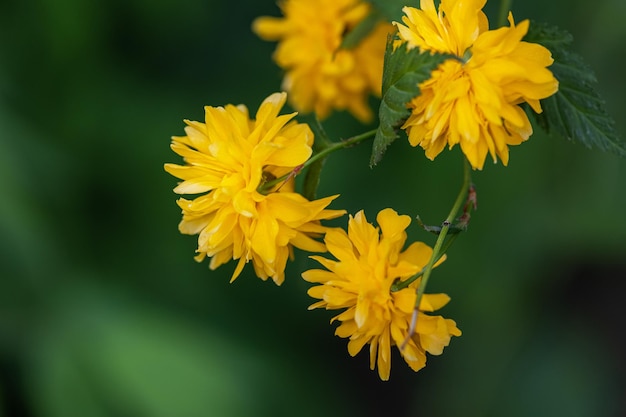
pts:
[576, 111]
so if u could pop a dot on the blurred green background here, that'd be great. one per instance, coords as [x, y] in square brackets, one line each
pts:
[103, 311]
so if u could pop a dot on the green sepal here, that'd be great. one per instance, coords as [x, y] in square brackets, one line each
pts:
[404, 69]
[313, 173]
[576, 111]
[312, 179]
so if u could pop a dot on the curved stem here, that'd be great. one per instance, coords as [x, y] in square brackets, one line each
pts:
[323, 153]
[339, 145]
[437, 252]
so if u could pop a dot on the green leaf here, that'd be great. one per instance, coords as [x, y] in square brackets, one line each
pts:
[576, 111]
[391, 9]
[404, 69]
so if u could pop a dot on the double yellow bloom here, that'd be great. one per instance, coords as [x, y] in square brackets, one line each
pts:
[227, 159]
[232, 161]
[474, 103]
[230, 158]
[369, 261]
[320, 75]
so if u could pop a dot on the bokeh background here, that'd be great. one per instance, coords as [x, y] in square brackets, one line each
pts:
[103, 311]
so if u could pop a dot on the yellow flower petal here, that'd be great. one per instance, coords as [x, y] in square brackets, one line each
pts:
[433, 302]
[392, 225]
[269, 28]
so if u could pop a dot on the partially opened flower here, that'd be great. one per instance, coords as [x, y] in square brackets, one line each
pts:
[320, 75]
[227, 159]
[368, 261]
[474, 102]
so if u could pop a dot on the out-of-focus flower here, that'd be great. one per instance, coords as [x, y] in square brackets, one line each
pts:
[474, 102]
[227, 159]
[320, 75]
[368, 262]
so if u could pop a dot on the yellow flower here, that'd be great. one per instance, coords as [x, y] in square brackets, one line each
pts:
[360, 281]
[474, 103]
[227, 159]
[320, 76]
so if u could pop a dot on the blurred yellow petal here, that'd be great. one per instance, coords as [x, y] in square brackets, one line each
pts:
[320, 76]
[269, 28]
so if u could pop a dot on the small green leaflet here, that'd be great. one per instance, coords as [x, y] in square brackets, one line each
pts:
[576, 111]
[403, 70]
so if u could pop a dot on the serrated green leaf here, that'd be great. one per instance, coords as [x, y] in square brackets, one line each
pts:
[576, 111]
[404, 70]
[391, 9]
[549, 36]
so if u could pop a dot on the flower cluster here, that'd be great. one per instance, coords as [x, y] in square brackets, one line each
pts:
[321, 75]
[241, 170]
[360, 281]
[474, 102]
[228, 158]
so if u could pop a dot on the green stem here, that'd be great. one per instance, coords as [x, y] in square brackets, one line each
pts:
[323, 153]
[339, 145]
[437, 250]
[441, 246]
[503, 13]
